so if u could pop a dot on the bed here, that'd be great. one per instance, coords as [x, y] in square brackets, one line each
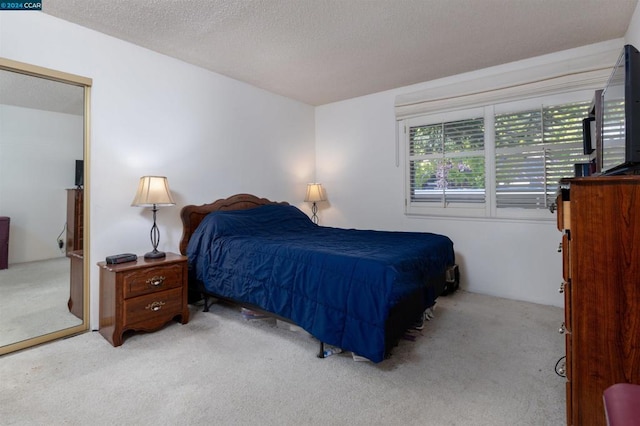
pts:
[357, 290]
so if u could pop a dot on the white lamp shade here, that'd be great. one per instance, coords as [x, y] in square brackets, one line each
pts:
[314, 193]
[153, 190]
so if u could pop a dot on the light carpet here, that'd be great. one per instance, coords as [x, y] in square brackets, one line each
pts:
[481, 361]
[33, 299]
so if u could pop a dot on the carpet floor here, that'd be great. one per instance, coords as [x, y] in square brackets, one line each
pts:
[33, 300]
[481, 361]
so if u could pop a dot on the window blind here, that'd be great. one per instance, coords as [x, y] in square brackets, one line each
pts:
[534, 150]
[446, 162]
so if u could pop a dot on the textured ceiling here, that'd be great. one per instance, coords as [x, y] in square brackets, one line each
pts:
[39, 93]
[321, 51]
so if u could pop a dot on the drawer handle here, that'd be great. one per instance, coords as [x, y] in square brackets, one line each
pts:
[155, 281]
[155, 306]
[561, 367]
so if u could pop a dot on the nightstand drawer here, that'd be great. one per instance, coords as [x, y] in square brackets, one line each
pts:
[152, 306]
[150, 280]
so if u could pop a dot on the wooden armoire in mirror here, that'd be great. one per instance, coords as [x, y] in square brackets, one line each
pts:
[44, 193]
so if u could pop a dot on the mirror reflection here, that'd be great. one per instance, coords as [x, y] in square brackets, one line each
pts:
[41, 200]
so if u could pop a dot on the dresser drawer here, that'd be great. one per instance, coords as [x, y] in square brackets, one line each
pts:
[153, 306]
[149, 280]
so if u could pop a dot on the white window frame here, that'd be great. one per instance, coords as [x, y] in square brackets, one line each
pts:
[489, 209]
[430, 208]
[587, 68]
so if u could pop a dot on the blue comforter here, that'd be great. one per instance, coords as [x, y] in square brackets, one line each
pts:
[337, 284]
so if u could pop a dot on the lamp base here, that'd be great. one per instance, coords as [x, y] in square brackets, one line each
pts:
[155, 254]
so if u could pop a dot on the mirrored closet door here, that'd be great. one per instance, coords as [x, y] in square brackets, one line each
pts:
[44, 116]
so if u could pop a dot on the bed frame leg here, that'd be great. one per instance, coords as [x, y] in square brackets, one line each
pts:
[207, 305]
[321, 352]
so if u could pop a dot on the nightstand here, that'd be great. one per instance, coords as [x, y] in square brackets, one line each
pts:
[143, 295]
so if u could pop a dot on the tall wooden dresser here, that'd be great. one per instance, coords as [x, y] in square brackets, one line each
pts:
[600, 221]
[75, 220]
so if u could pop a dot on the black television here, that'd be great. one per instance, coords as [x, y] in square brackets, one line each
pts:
[79, 176]
[621, 116]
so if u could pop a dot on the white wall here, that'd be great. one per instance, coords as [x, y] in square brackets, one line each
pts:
[38, 150]
[363, 173]
[150, 114]
[633, 31]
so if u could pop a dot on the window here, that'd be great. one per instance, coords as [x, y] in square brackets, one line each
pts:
[534, 150]
[526, 113]
[502, 160]
[447, 162]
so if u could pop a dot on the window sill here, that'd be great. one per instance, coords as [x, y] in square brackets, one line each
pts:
[461, 213]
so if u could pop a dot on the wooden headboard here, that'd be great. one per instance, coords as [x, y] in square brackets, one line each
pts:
[191, 216]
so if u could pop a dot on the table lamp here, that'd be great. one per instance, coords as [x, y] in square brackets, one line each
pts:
[315, 193]
[153, 191]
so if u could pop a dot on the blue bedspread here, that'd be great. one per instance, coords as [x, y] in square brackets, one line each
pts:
[337, 284]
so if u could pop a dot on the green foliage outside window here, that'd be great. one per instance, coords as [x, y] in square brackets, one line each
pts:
[443, 145]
